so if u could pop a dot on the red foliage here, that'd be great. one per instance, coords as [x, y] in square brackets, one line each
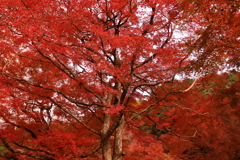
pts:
[207, 124]
[74, 74]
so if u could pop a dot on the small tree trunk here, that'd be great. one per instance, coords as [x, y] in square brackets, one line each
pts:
[118, 152]
[106, 145]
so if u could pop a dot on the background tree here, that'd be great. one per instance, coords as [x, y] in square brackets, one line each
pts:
[76, 73]
[206, 125]
[213, 28]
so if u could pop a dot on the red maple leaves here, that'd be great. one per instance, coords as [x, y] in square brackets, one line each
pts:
[75, 74]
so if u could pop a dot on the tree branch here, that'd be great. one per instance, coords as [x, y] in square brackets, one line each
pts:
[73, 116]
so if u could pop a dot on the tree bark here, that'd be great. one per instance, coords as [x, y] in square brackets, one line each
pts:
[106, 145]
[118, 152]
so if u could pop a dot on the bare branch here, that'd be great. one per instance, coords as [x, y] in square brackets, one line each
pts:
[192, 83]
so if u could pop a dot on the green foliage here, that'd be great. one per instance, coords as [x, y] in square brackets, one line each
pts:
[206, 91]
[152, 129]
[231, 78]
[190, 81]
[2, 150]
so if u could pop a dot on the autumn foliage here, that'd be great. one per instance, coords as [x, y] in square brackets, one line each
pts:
[203, 123]
[97, 79]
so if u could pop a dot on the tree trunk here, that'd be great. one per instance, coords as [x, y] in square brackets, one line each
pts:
[106, 145]
[106, 150]
[118, 152]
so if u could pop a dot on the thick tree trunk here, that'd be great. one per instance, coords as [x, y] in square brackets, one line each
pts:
[106, 145]
[118, 152]
[106, 150]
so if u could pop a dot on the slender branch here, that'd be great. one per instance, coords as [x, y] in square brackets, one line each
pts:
[192, 110]
[65, 66]
[58, 92]
[11, 149]
[192, 83]
[180, 136]
[25, 5]
[151, 105]
[68, 112]
[31, 149]
[166, 95]
[26, 129]
[95, 114]
[54, 63]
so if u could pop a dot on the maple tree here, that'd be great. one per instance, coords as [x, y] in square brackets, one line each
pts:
[76, 74]
[202, 123]
[213, 28]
